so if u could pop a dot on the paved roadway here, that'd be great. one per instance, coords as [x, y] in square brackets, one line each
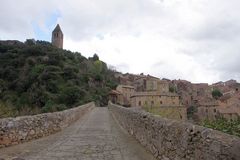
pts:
[96, 136]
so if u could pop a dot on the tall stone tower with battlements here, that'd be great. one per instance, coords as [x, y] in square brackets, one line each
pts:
[57, 37]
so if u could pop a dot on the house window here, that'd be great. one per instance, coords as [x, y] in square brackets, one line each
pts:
[146, 103]
[215, 110]
[152, 103]
[206, 110]
[139, 103]
[160, 102]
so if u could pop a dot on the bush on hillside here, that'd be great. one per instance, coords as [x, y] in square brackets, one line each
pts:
[42, 76]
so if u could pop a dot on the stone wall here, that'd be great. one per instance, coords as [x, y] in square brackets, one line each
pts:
[175, 140]
[171, 112]
[21, 129]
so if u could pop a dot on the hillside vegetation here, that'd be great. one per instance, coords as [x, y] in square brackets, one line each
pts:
[37, 78]
[231, 127]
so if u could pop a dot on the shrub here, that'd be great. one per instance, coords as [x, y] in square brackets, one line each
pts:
[42, 77]
[221, 124]
[216, 93]
[71, 95]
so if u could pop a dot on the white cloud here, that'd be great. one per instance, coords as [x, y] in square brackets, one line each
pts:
[195, 40]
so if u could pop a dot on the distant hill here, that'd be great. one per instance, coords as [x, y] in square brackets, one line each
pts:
[37, 77]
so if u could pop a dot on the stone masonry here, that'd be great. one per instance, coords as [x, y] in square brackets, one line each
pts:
[175, 140]
[21, 129]
[96, 136]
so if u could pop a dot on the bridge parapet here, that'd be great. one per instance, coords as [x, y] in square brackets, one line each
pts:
[175, 140]
[21, 129]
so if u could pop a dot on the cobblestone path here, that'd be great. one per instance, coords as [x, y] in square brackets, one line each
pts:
[94, 137]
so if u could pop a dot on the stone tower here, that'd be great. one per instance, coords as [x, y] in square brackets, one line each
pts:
[57, 37]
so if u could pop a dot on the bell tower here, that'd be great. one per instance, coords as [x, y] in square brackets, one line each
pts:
[57, 37]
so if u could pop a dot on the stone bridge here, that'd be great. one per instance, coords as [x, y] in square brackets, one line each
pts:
[110, 133]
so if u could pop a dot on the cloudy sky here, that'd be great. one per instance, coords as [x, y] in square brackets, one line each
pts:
[196, 40]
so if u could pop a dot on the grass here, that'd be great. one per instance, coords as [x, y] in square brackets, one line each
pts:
[231, 127]
[7, 110]
[166, 112]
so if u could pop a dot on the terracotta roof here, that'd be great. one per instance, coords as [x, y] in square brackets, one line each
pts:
[146, 76]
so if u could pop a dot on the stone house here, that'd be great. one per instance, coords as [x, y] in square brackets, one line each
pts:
[230, 112]
[146, 83]
[228, 87]
[229, 106]
[163, 86]
[124, 79]
[165, 104]
[116, 97]
[127, 91]
[208, 110]
[139, 99]
[230, 82]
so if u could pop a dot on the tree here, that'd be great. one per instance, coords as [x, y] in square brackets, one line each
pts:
[30, 42]
[95, 57]
[216, 93]
[50, 79]
[71, 95]
[172, 89]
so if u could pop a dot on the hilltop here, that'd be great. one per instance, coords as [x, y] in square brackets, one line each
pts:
[37, 77]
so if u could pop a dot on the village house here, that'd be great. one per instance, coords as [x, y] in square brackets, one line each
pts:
[230, 112]
[145, 83]
[153, 98]
[146, 91]
[229, 106]
[116, 97]
[127, 91]
[207, 110]
[166, 104]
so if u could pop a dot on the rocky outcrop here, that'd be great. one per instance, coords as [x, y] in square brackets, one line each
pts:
[21, 129]
[175, 140]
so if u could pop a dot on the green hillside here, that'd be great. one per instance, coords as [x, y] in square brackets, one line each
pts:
[37, 78]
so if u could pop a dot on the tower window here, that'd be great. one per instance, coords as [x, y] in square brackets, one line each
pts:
[139, 103]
